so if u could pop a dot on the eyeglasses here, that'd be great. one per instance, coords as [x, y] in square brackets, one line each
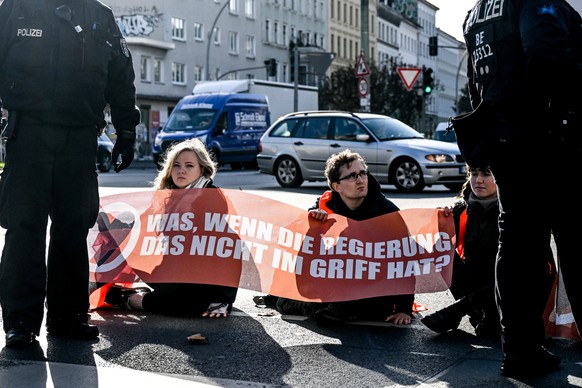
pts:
[354, 176]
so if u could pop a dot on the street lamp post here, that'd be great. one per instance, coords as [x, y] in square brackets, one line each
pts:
[210, 33]
[457, 83]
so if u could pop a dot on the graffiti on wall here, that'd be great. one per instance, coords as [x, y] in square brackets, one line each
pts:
[138, 20]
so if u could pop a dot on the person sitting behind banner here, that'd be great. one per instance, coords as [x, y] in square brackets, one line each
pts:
[187, 165]
[355, 194]
[476, 216]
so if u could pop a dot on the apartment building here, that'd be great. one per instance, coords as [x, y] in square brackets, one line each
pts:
[177, 43]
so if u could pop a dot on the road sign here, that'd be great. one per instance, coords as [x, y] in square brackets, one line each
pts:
[408, 75]
[361, 67]
[320, 61]
[363, 87]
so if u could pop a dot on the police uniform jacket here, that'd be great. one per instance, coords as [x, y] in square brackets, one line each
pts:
[518, 51]
[63, 61]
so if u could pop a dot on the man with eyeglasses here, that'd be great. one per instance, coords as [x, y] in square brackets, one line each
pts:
[357, 195]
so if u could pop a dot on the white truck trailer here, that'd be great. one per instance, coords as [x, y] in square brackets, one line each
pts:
[281, 95]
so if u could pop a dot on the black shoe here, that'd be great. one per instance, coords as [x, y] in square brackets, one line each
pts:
[295, 307]
[531, 363]
[450, 317]
[19, 337]
[266, 300]
[329, 316]
[73, 328]
[118, 296]
[475, 318]
[440, 322]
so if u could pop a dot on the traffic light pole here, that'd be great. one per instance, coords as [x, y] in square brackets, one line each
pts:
[457, 83]
[295, 78]
[235, 70]
[365, 36]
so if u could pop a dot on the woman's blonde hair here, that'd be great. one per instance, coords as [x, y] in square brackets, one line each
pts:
[208, 167]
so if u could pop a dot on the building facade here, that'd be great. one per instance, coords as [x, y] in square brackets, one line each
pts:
[177, 43]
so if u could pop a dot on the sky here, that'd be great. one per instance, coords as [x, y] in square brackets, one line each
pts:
[451, 14]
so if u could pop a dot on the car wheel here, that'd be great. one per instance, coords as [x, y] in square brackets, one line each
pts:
[288, 173]
[104, 162]
[407, 176]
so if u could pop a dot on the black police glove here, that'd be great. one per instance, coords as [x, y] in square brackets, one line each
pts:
[123, 147]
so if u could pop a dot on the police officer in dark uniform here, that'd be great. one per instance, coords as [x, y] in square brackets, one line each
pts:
[61, 63]
[525, 74]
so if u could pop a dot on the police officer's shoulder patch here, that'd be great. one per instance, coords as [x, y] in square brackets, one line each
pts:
[124, 47]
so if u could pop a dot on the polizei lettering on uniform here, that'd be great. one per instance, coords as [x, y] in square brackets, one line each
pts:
[489, 10]
[33, 32]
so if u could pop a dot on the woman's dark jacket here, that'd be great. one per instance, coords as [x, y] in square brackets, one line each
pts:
[481, 236]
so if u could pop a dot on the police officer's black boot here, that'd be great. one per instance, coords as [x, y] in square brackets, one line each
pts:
[450, 317]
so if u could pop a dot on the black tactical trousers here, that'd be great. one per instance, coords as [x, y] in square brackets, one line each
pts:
[49, 172]
[534, 178]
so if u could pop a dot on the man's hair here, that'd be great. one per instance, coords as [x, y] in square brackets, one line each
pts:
[336, 161]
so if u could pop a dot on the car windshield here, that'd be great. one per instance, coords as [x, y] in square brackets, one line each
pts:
[391, 129]
[190, 120]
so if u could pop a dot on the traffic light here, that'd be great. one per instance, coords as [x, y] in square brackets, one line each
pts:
[427, 80]
[271, 65]
[433, 46]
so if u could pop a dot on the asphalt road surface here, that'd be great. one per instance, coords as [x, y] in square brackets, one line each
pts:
[257, 347]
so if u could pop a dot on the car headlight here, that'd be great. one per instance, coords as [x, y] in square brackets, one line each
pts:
[439, 158]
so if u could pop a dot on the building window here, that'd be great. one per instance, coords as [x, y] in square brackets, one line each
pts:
[250, 9]
[197, 73]
[276, 33]
[178, 29]
[250, 46]
[233, 42]
[158, 71]
[216, 36]
[198, 31]
[284, 35]
[178, 73]
[267, 31]
[233, 7]
[145, 69]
